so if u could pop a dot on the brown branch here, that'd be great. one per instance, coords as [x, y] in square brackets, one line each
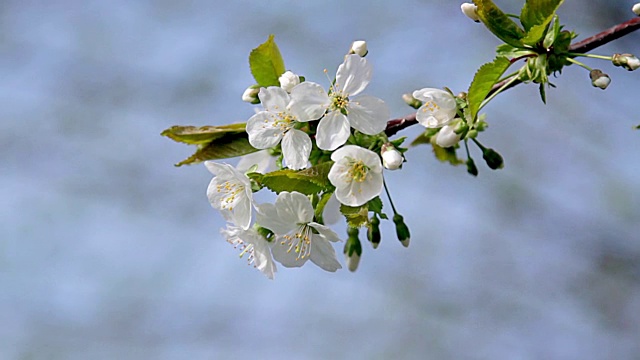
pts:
[583, 46]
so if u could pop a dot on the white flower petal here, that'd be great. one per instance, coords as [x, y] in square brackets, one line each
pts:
[325, 231]
[294, 207]
[331, 213]
[267, 217]
[368, 114]
[263, 130]
[359, 193]
[253, 243]
[261, 158]
[323, 254]
[285, 257]
[222, 170]
[447, 137]
[242, 212]
[274, 99]
[353, 75]
[296, 148]
[333, 131]
[309, 101]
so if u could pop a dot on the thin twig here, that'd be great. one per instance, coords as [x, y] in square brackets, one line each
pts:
[583, 46]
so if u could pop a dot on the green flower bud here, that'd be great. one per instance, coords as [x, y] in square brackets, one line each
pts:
[402, 230]
[373, 232]
[492, 158]
[471, 167]
[352, 249]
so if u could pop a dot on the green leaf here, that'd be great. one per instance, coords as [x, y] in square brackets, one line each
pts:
[227, 146]
[266, 63]
[483, 81]
[499, 23]
[425, 137]
[194, 135]
[447, 155]
[512, 52]
[214, 142]
[375, 205]
[308, 181]
[356, 216]
[538, 13]
[535, 34]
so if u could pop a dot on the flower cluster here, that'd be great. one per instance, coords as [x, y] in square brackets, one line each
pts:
[329, 145]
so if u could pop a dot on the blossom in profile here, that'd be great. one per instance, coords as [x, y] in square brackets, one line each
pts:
[254, 246]
[230, 192]
[438, 107]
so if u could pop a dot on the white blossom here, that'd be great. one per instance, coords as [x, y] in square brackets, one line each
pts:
[471, 11]
[250, 95]
[254, 245]
[392, 159]
[366, 114]
[447, 137]
[230, 192]
[356, 174]
[298, 237]
[359, 47]
[267, 128]
[438, 107]
[262, 160]
[288, 80]
[636, 9]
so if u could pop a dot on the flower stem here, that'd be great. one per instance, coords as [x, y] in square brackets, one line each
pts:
[389, 196]
[579, 63]
[593, 56]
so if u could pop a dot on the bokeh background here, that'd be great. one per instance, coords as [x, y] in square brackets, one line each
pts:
[108, 251]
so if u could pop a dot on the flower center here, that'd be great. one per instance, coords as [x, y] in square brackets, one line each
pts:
[357, 170]
[230, 190]
[299, 242]
[282, 120]
[339, 102]
[431, 106]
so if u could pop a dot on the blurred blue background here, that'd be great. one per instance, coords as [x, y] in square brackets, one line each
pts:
[108, 251]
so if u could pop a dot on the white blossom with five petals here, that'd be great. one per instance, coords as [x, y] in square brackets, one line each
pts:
[267, 128]
[251, 243]
[298, 237]
[230, 192]
[438, 107]
[365, 113]
[356, 174]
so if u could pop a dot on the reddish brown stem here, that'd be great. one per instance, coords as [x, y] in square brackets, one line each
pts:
[583, 46]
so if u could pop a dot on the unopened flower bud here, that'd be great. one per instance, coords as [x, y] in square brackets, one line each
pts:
[471, 11]
[599, 79]
[392, 159]
[447, 136]
[636, 9]
[627, 61]
[471, 167]
[411, 101]
[288, 80]
[251, 94]
[352, 249]
[402, 230]
[373, 232]
[359, 47]
[493, 159]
